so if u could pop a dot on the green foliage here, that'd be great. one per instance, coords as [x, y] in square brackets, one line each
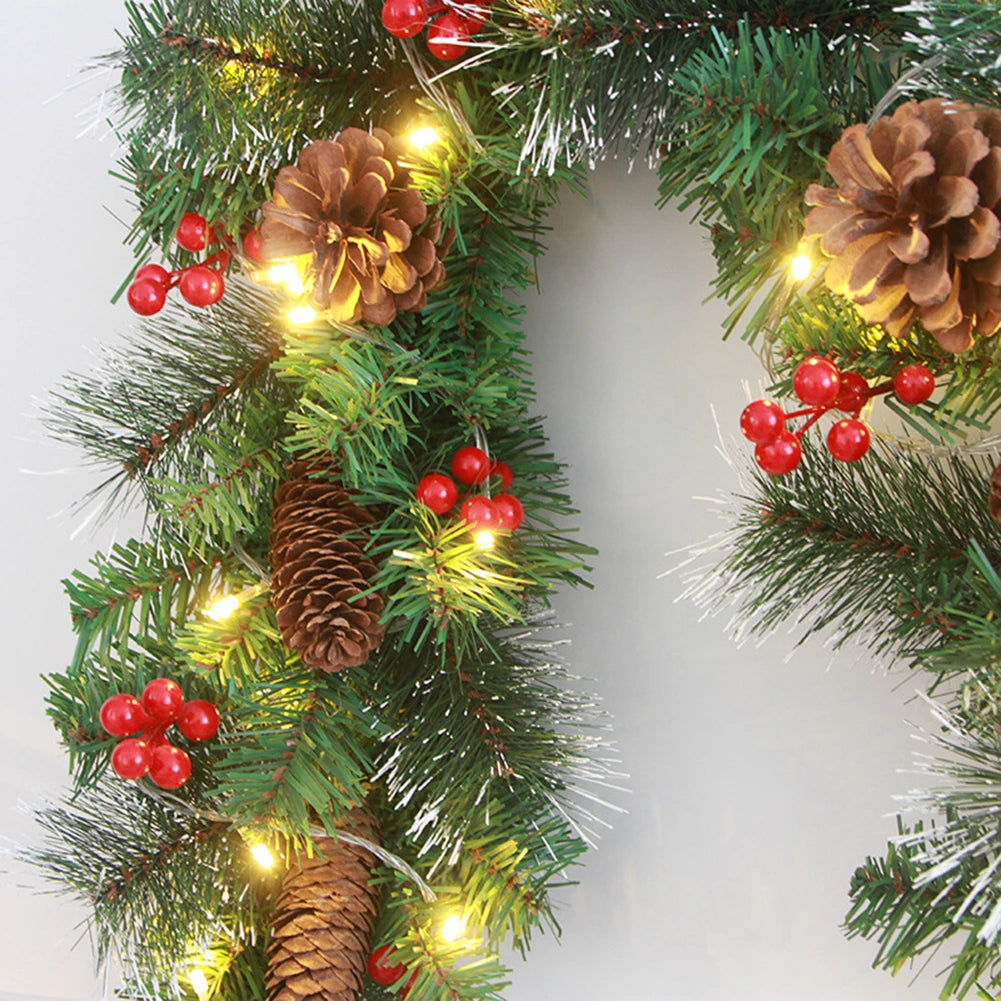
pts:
[159, 882]
[301, 751]
[204, 370]
[515, 730]
[217, 96]
[873, 551]
[939, 882]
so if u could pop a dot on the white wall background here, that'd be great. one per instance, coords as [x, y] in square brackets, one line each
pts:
[758, 782]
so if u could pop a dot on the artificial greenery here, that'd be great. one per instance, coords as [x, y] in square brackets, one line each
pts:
[460, 732]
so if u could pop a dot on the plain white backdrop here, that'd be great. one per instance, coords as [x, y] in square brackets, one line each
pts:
[758, 781]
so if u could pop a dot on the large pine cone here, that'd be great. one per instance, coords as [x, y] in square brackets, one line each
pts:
[349, 205]
[913, 225]
[319, 574]
[323, 921]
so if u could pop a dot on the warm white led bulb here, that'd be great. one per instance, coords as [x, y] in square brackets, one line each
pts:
[223, 608]
[801, 267]
[199, 983]
[485, 539]
[453, 928]
[287, 274]
[262, 855]
[423, 137]
[301, 315]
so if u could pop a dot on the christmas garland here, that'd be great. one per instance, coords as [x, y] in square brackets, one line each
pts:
[354, 518]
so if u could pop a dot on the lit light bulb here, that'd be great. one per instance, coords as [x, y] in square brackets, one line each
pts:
[453, 928]
[199, 983]
[301, 315]
[801, 267]
[262, 855]
[423, 137]
[223, 608]
[485, 539]
[287, 274]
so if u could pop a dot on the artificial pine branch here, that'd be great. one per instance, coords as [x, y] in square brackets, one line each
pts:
[873, 551]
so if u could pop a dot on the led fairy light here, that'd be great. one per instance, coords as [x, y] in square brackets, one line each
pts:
[452, 928]
[301, 316]
[423, 137]
[223, 607]
[262, 855]
[199, 983]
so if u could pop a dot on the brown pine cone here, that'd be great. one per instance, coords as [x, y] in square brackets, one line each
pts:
[319, 574]
[913, 225]
[323, 921]
[350, 207]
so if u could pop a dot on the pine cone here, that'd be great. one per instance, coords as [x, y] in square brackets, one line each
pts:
[994, 501]
[913, 225]
[349, 206]
[319, 569]
[323, 921]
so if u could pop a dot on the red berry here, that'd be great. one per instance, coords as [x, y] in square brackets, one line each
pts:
[162, 699]
[817, 381]
[253, 246]
[779, 456]
[914, 384]
[193, 232]
[761, 421]
[475, 17]
[381, 967]
[448, 36]
[403, 18]
[131, 759]
[437, 492]
[470, 465]
[503, 470]
[155, 272]
[510, 513]
[853, 393]
[198, 720]
[169, 767]
[480, 514]
[146, 296]
[848, 440]
[201, 286]
[123, 715]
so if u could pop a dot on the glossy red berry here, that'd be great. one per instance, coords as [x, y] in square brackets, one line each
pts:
[448, 36]
[502, 470]
[155, 272]
[470, 465]
[193, 232]
[146, 296]
[198, 720]
[381, 967]
[253, 246]
[914, 384]
[437, 492]
[404, 18]
[848, 440]
[123, 715]
[162, 699]
[479, 513]
[201, 286]
[816, 381]
[510, 513]
[779, 456]
[169, 767]
[853, 393]
[761, 421]
[475, 17]
[131, 759]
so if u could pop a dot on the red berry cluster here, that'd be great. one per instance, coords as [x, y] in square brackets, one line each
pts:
[144, 722]
[822, 387]
[200, 284]
[448, 36]
[472, 466]
[384, 971]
